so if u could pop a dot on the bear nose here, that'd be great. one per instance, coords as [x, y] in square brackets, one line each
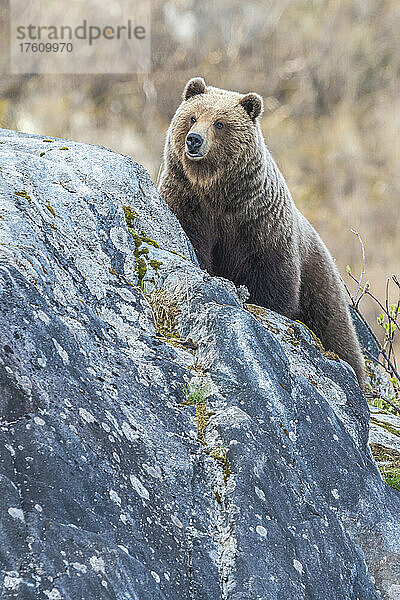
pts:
[193, 142]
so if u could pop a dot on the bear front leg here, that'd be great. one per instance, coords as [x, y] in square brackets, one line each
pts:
[274, 282]
[201, 237]
[186, 207]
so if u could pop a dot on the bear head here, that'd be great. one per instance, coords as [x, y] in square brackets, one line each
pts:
[214, 130]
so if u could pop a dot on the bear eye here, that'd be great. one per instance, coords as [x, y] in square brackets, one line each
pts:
[193, 120]
[218, 125]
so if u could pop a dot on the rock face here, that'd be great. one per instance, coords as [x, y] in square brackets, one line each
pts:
[158, 439]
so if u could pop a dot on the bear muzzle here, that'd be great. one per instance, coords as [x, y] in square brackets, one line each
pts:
[194, 143]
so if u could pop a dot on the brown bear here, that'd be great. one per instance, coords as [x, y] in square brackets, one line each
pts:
[220, 180]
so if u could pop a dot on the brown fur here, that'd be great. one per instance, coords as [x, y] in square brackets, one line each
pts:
[237, 211]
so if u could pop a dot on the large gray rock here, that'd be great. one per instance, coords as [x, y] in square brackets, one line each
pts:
[260, 486]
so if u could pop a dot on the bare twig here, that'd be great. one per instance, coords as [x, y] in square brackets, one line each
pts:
[388, 341]
[390, 364]
[347, 290]
[367, 325]
[356, 299]
[374, 360]
[368, 293]
[394, 317]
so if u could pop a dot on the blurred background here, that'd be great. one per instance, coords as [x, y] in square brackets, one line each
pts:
[328, 71]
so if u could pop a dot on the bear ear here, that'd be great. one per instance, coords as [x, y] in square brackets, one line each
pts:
[194, 86]
[253, 104]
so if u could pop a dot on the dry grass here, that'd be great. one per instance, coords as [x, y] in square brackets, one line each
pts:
[165, 312]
